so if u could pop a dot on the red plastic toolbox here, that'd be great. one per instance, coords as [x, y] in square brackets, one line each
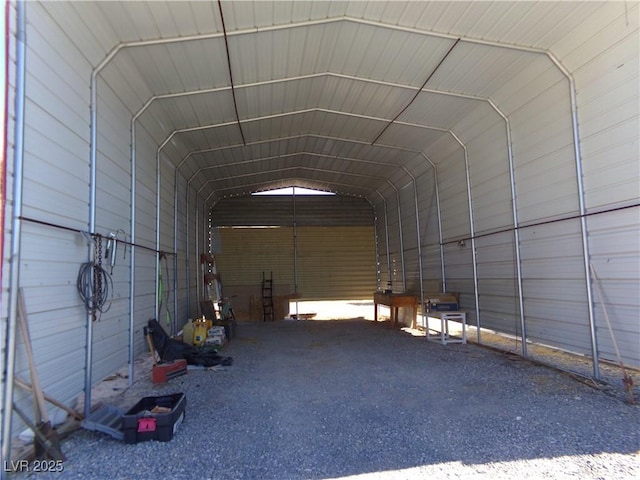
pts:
[163, 372]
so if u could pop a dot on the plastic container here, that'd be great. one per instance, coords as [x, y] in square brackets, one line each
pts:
[140, 424]
[216, 330]
[199, 333]
[187, 333]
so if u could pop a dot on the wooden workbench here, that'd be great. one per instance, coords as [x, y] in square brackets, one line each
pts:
[394, 301]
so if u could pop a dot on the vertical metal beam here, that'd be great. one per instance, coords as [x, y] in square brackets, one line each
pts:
[132, 271]
[204, 231]
[415, 194]
[14, 269]
[295, 246]
[439, 214]
[471, 230]
[516, 228]
[92, 227]
[376, 239]
[585, 240]
[386, 232]
[187, 255]
[404, 281]
[472, 234]
[175, 250]
[198, 264]
[583, 212]
[157, 283]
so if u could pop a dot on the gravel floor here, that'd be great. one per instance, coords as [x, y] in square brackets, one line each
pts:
[350, 398]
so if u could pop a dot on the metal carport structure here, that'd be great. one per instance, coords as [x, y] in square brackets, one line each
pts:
[497, 142]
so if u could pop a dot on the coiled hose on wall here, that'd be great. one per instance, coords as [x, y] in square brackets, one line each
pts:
[95, 287]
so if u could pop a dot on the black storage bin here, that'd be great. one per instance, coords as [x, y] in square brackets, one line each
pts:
[140, 424]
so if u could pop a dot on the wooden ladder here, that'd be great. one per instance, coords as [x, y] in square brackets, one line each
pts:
[212, 286]
[267, 298]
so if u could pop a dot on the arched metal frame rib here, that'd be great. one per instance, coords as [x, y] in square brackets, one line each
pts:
[426, 90]
[205, 127]
[187, 38]
[402, 167]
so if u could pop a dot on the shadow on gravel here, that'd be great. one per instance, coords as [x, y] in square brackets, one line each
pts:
[337, 398]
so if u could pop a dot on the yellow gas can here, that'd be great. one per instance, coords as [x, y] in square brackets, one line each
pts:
[187, 332]
[199, 332]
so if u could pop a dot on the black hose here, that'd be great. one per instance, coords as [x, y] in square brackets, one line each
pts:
[94, 298]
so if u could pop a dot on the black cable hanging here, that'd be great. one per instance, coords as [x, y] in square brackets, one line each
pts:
[94, 284]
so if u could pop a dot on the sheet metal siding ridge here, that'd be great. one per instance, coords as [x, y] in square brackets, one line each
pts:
[145, 212]
[553, 282]
[497, 287]
[113, 169]
[50, 137]
[490, 181]
[305, 93]
[428, 209]
[144, 296]
[431, 263]
[368, 54]
[608, 105]
[490, 66]
[434, 109]
[520, 23]
[166, 244]
[246, 253]
[416, 138]
[412, 267]
[544, 160]
[610, 25]
[459, 276]
[124, 75]
[336, 262]
[166, 65]
[181, 251]
[191, 109]
[192, 256]
[527, 84]
[382, 234]
[395, 243]
[83, 28]
[166, 206]
[614, 241]
[277, 210]
[408, 209]
[38, 200]
[453, 197]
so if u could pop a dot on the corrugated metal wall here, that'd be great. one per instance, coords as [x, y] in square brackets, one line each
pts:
[334, 254]
[336, 263]
[283, 210]
[606, 70]
[182, 307]
[330, 263]
[601, 52]
[50, 257]
[246, 253]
